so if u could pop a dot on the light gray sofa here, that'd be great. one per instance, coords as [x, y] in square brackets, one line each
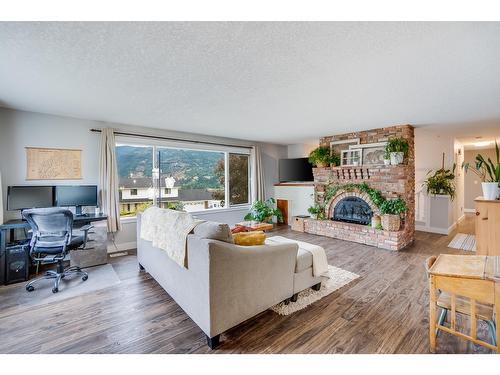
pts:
[224, 284]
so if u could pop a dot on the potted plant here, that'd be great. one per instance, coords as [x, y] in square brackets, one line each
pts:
[442, 182]
[317, 212]
[376, 223]
[322, 157]
[391, 210]
[489, 173]
[264, 212]
[397, 149]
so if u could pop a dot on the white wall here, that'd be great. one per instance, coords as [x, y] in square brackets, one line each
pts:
[20, 129]
[270, 155]
[458, 203]
[302, 150]
[472, 182]
[429, 148]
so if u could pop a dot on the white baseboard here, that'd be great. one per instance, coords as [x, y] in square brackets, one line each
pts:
[114, 248]
[424, 228]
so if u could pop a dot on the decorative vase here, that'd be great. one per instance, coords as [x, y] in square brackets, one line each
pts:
[320, 165]
[391, 223]
[491, 191]
[397, 158]
[375, 221]
[387, 161]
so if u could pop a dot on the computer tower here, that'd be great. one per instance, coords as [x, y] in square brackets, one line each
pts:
[17, 263]
[2, 267]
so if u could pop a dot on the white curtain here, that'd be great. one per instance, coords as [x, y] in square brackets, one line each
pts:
[108, 180]
[258, 192]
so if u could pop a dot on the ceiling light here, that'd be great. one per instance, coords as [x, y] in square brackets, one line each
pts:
[482, 144]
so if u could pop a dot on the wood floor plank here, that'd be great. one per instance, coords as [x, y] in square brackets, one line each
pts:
[384, 311]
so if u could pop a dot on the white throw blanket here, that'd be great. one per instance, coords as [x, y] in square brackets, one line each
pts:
[168, 230]
[320, 263]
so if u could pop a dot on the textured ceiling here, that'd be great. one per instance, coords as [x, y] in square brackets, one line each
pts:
[278, 82]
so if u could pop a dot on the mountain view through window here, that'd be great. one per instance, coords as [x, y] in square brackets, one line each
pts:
[191, 180]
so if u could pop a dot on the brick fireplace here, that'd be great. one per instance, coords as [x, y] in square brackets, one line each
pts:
[355, 208]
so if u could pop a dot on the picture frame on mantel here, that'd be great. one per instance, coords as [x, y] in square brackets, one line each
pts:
[339, 146]
[351, 157]
[372, 153]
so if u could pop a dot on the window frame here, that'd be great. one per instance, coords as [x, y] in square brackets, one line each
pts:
[249, 179]
[226, 150]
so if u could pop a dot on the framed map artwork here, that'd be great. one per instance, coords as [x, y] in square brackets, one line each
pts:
[53, 164]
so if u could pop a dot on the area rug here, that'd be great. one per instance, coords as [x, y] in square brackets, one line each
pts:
[463, 241]
[100, 277]
[337, 279]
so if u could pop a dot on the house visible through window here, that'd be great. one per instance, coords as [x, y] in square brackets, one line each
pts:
[189, 179]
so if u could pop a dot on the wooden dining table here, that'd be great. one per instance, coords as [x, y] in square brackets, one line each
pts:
[472, 276]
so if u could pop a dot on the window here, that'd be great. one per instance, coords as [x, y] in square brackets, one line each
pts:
[172, 177]
[239, 179]
[135, 165]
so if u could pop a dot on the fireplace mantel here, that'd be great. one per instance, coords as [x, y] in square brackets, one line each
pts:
[391, 181]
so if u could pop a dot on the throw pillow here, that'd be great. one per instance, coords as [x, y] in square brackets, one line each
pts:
[238, 229]
[214, 231]
[249, 238]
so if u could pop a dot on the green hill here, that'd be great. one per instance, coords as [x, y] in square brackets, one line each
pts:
[191, 169]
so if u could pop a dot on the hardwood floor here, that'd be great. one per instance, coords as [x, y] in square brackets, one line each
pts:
[384, 311]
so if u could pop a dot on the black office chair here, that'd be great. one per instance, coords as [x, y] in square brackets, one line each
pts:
[51, 239]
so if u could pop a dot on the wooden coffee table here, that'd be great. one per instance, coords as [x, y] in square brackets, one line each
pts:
[255, 225]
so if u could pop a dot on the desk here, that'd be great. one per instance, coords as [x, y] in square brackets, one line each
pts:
[9, 226]
[472, 276]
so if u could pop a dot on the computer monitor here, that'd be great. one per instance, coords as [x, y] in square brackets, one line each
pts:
[78, 195]
[24, 197]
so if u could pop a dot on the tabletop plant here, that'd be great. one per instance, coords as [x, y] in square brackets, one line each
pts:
[323, 157]
[317, 211]
[264, 212]
[391, 211]
[397, 148]
[393, 207]
[489, 173]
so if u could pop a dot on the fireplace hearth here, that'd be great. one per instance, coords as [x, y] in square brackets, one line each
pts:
[352, 210]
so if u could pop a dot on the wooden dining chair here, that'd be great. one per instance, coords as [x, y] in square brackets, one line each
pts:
[484, 312]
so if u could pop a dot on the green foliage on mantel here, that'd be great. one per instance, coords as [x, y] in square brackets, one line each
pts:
[319, 210]
[374, 194]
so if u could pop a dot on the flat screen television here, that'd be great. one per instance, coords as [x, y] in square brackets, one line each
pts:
[298, 169]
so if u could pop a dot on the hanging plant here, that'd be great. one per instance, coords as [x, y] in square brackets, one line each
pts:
[442, 182]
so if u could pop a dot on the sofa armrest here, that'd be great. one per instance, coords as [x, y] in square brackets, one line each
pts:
[245, 281]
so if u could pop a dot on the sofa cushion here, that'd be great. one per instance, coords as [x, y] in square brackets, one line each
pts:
[214, 231]
[304, 260]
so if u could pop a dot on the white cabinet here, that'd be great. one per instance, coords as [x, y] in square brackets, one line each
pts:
[299, 196]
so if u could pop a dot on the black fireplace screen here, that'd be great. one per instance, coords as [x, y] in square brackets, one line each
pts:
[353, 210]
